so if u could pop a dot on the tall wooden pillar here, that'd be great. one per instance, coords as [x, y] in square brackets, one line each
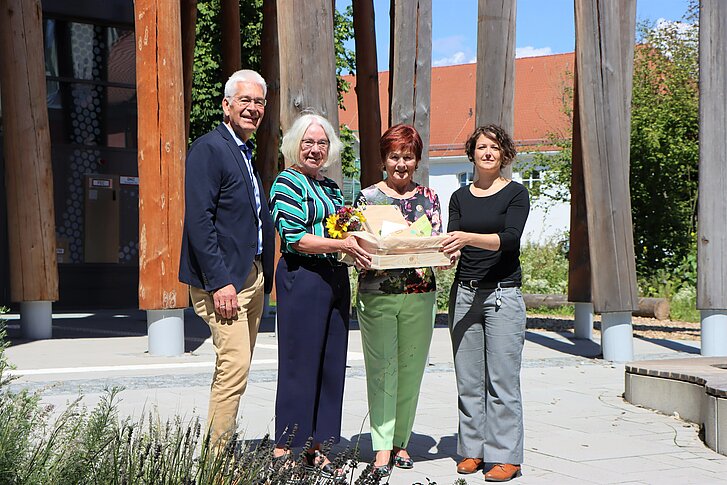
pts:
[410, 66]
[605, 130]
[28, 171]
[231, 47]
[367, 91]
[712, 230]
[188, 14]
[268, 135]
[495, 95]
[307, 64]
[162, 146]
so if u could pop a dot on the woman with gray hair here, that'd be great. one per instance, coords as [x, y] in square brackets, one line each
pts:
[313, 292]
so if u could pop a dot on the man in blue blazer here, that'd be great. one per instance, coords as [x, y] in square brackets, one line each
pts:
[228, 244]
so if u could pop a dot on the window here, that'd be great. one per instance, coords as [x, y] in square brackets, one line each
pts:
[531, 178]
[465, 178]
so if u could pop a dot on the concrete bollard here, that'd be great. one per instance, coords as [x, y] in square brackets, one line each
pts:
[714, 333]
[36, 319]
[165, 330]
[617, 336]
[583, 325]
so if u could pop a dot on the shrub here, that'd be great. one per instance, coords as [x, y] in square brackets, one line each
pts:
[445, 278]
[545, 266]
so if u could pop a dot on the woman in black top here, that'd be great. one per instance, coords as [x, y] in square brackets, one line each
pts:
[486, 308]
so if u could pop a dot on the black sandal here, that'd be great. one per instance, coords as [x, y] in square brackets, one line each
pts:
[328, 470]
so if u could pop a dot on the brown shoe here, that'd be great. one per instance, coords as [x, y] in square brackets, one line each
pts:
[502, 472]
[469, 465]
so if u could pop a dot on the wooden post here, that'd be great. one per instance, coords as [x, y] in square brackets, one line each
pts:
[367, 91]
[495, 95]
[410, 66]
[28, 169]
[579, 257]
[188, 15]
[307, 64]
[231, 47]
[712, 231]
[268, 136]
[161, 153]
[604, 135]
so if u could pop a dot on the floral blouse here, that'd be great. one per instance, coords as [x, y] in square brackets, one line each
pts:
[408, 280]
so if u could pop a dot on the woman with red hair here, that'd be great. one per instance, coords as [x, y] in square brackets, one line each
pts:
[396, 307]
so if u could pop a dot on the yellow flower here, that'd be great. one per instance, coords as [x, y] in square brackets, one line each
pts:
[334, 230]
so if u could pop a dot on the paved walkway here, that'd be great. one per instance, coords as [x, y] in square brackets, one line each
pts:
[578, 429]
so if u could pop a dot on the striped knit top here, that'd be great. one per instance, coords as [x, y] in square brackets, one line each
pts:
[300, 206]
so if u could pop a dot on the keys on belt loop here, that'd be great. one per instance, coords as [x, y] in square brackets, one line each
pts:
[498, 296]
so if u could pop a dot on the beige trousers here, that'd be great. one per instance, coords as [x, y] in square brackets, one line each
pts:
[233, 340]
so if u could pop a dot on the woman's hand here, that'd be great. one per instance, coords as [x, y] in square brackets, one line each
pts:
[351, 247]
[455, 241]
[453, 258]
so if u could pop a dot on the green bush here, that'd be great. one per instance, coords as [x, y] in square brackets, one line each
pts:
[445, 278]
[545, 266]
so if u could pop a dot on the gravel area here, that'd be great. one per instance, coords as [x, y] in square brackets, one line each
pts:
[643, 327]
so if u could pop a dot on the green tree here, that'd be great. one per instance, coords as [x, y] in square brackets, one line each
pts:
[208, 84]
[665, 146]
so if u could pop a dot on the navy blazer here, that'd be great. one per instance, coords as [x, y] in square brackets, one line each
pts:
[220, 235]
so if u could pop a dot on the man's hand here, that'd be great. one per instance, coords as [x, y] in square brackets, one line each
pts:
[226, 301]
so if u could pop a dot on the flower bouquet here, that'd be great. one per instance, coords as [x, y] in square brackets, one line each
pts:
[346, 219]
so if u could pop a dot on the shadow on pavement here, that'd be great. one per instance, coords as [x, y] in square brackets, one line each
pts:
[580, 347]
[118, 323]
[672, 345]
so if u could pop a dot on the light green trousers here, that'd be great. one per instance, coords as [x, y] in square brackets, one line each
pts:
[396, 331]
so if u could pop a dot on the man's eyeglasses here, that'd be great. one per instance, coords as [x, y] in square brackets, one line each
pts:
[307, 144]
[244, 102]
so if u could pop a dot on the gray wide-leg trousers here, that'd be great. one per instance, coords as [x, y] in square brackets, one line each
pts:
[487, 342]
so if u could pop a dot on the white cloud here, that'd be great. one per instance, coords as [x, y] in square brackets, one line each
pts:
[456, 58]
[530, 51]
[452, 43]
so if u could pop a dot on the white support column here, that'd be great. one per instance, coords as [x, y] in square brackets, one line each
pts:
[165, 329]
[583, 325]
[36, 319]
[714, 333]
[617, 336]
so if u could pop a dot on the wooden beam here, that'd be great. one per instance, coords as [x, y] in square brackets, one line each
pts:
[495, 93]
[712, 230]
[28, 168]
[231, 46]
[579, 257]
[605, 134]
[188, 14]
[307, 64]
[410, 66]
[161, 153]
[367, 91]
[268, 136]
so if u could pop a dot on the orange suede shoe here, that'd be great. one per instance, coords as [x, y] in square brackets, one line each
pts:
[502, 472]
[469, 465]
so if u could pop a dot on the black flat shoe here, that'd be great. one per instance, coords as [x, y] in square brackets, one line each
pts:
[382, 471]
[404, 463]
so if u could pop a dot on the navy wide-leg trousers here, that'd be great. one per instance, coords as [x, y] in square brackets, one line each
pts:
[313, 306]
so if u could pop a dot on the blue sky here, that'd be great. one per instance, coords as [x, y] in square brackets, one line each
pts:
[543, 27]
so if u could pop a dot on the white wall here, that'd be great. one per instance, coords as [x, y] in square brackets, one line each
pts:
[547, 219]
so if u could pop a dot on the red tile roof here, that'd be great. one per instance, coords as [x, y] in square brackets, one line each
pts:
[540, 87]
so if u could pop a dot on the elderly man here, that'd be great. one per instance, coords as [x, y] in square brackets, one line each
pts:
[228, 245]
